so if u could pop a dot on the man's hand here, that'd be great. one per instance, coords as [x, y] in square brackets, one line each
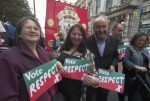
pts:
[90, 80]
[112, 68]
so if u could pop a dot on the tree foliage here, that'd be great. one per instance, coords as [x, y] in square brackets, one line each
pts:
[13, 10]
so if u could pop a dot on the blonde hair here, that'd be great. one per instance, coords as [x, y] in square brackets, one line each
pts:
[61, 33]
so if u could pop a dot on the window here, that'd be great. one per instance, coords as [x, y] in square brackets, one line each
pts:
[98, 5]
[145, 0]
[109, 4]
[123, 1]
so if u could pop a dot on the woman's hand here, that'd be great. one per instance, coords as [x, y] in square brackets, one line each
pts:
[60, 68]
[90, 80]
[140, 69]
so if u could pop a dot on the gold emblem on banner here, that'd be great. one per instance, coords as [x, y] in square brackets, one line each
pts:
[50, 43]
[50, 22]
[67, 17]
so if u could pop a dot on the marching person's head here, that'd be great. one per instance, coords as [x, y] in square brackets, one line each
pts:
[100, 26]
[61, 35]
[28, 29]
[139, 40]
[76, 37]
[117, 30]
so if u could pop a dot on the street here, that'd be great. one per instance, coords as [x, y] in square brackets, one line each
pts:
[113, 96]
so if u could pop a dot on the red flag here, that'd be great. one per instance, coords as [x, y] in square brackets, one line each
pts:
[64, 15]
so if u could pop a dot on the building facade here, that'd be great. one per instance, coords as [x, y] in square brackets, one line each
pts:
[81, 3]
[145, 17]
[125, 12]
[133, 14]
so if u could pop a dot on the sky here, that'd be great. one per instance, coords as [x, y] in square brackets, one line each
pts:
[40, 9]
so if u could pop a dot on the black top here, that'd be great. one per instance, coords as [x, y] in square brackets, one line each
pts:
[68, 85]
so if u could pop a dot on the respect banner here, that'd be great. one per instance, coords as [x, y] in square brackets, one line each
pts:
[76, 68]
[121, 51]
[111, 80]
[41, 78]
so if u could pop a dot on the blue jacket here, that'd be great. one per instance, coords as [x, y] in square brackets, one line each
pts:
[131, 59]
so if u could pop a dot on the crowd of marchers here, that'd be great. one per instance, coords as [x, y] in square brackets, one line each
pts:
[100, 48]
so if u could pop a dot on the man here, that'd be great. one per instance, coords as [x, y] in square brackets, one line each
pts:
[117, 31]
[104, 47]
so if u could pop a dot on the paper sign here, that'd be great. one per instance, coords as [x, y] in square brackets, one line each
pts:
[2, 29]
[76, 68]
[121, 51]
[111, 80]
[41, 78]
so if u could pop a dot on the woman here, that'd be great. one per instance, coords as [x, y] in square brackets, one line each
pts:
[136, 63]
[74, 47]
[20, 59]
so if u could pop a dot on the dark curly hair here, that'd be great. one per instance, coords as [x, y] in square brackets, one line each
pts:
[68, 43]
[135, 37]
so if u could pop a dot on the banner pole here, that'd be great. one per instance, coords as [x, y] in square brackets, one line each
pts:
[34, 8]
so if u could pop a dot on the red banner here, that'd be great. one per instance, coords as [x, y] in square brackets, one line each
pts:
[63, 15]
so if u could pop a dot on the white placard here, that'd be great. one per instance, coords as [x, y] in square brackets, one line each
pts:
[2, 29]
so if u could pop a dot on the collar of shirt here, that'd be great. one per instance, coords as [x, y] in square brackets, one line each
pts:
[101, 45]
[100, 40]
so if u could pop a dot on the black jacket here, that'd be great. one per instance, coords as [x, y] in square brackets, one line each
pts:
[110, 56]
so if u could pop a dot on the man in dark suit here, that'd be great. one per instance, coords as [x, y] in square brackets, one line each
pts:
[104, 47]
[117, 31]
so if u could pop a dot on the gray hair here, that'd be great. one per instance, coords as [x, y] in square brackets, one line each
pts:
[101, 18]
